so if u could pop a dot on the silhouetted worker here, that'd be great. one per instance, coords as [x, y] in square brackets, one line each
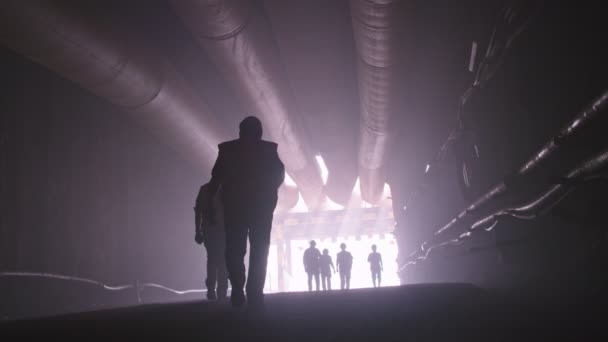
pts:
[250, 172]
[327, 266]
[375, 264]
[344, 262]
[311, 264]
[212, 235]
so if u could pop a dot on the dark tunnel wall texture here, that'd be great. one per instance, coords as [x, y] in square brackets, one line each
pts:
[71, 41]
[544, 81]
[101, 222]
[78, 202]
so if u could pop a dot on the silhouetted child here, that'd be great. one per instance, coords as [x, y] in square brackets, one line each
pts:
[327, 266]
[210, 232]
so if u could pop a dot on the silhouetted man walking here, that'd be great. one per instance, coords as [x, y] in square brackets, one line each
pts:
[327, 266]
[250, 172]
[375, 264]
[212, 235]
[344, 261]
[311, 264]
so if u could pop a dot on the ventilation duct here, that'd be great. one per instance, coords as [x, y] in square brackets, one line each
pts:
[376, 28]
[239, 40]
[72, 43]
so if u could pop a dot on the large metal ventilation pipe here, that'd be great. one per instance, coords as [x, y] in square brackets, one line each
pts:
[319, 66]
[239, 40]
[375, 26]
[72, 43]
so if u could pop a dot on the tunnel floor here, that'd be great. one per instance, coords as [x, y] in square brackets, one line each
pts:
[407, 313]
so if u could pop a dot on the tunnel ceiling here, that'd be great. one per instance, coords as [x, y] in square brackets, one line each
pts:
[340, 79]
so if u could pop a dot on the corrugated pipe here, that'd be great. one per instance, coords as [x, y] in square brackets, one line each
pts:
[63, 37]
[376, 29]
[240, 42]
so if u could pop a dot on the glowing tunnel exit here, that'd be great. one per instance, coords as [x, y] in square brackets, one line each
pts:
[296, 280]
[358, 227]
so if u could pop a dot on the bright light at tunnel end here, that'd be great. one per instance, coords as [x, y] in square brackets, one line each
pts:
[358, 245]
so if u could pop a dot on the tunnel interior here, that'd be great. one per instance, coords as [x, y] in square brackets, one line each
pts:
[466, 139]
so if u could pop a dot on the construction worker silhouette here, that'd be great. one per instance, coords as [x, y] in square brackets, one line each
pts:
[344, 262]
[375, 264]
[311, 264]
[250, 173]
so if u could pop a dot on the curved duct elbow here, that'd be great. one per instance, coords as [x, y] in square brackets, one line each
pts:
[71, 43]
[339, 187]
[375, 26]
[288, 198]
[240, 42]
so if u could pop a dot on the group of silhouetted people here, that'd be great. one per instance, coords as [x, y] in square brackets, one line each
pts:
[319, 265]
[238, 203]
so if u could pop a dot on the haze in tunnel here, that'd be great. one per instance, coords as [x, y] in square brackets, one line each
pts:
[465, 139]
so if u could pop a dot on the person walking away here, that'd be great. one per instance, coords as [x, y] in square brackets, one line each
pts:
[344, 261]
[311, 264]
[213, 237]
[327, 266]
[376, 267]
[250, 172]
